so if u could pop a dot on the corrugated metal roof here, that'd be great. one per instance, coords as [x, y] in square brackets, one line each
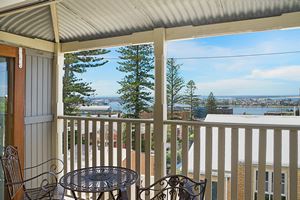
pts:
[12, 4]
[34, 23]
[89, 19]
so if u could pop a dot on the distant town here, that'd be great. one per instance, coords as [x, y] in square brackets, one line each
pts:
[240, 105]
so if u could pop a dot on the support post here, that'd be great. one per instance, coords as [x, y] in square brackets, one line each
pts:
[57, 102]
[160, 104]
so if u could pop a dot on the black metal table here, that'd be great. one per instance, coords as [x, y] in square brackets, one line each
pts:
[99, 180]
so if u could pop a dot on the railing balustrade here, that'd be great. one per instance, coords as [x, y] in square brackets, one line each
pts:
[202, 148]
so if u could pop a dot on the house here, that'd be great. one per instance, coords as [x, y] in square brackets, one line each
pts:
[35, 35]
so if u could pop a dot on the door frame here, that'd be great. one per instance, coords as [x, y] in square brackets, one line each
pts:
[16, 110]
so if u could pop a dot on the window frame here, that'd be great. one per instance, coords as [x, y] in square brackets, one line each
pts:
[269, 182]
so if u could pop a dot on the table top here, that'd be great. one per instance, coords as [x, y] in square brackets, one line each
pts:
[98, 179]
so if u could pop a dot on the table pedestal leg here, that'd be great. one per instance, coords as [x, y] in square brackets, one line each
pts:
[122, 194]
[112, 195]
[74, 195]
[100, 195]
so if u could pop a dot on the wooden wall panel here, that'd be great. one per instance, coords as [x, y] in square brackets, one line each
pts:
[38, 114]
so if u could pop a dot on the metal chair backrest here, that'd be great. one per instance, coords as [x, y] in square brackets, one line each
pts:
[173, 187]
[12, 170]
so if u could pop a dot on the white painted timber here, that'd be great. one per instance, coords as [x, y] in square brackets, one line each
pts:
[221, 164]
[111, 143]
[208, 162]
[253, 25]
[160, 105]
[128, 150]
[138, 149]
[79, 144]
[293, 180]
[37, 116]
[22, 41]
[133, 39]
[87, 142]
[173, 148]
[119, 143]
[94, 144]
[234, 163]
[54, 21]
[185, 150]
[102, 142]
[72, 145]
[57, 102]
[148, 155]
[197, 152]
[277, 163]
[66, 146]
[208, 151]
[248, 164]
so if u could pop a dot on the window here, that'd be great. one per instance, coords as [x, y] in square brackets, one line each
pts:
[214, 190]
[269, 180]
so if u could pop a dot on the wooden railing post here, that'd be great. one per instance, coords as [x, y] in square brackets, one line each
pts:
[160, 107]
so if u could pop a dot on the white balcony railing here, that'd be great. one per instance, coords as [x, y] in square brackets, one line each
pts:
[209, 150]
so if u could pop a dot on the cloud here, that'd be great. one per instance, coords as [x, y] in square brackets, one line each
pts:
[290, 73]
[240, 86]
[200, 48]
[194, 48]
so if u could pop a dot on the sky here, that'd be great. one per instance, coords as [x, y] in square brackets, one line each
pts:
[259, 75]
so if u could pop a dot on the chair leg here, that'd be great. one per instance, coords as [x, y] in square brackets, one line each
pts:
[63, 194]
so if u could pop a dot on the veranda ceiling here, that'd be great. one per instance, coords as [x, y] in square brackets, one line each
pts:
[80, 20]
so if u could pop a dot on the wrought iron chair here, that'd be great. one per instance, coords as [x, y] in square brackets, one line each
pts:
[14, 179]
[173, 187]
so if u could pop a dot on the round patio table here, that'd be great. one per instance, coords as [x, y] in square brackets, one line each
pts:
[99, 180]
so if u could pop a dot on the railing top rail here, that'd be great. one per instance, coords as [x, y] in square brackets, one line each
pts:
[188, 123]
[107, 119]
[233, 125]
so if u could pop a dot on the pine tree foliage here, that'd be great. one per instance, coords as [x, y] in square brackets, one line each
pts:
[211, 104]
[175, 83]
[137, 84]
[191, 98]
[75, 90]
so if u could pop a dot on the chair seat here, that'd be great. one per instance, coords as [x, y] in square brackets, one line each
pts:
[173, 187]
[38, 193]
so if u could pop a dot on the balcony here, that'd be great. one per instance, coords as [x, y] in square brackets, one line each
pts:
[234, 155]
[241, 159]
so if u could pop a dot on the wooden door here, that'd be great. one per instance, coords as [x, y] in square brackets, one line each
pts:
[14, 105]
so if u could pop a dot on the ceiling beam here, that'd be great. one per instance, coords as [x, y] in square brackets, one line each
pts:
[284, 21]
[28, 7]
[54, 18]
[22, 41]
[135, 38]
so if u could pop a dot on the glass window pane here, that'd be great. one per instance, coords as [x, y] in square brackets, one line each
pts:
[256, 180]
[272, 182]
[267, 182]
[3, 112]
[282, 183]
[214, 190]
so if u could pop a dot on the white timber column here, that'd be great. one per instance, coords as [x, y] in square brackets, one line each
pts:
[57, 102]
[160, 104]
